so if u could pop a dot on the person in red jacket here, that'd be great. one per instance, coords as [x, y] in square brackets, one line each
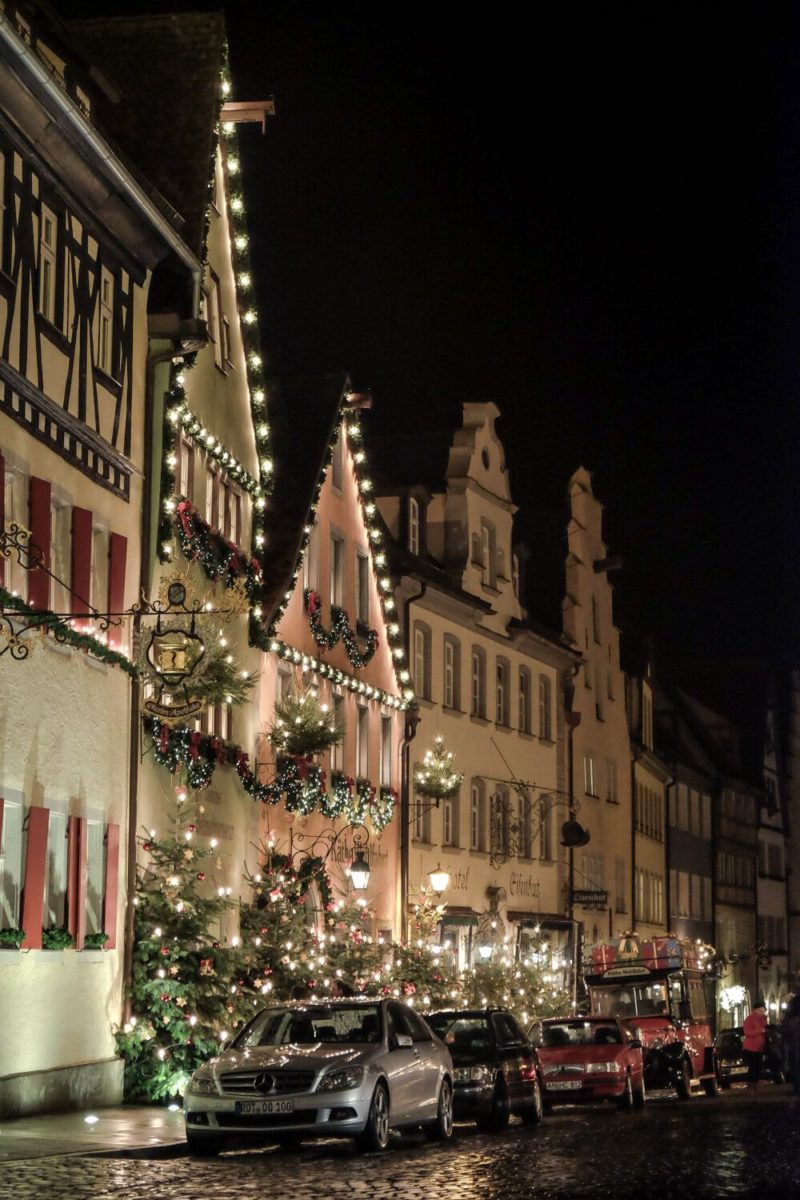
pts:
[754, 1042]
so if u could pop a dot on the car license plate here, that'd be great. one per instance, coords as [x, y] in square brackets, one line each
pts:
[564, 1085]
[739, 1070]
[263, 1108]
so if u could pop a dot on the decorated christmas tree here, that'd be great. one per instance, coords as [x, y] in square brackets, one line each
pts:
[355, 959]
[183, 995]
[304, 725]
[436, 777]
[423, 972]
[531, 988]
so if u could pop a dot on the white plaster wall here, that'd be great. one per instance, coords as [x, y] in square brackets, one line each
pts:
[64, 723]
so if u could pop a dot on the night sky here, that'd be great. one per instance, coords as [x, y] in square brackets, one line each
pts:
[588, 213]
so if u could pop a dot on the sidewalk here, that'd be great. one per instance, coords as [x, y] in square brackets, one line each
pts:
[128, 1132]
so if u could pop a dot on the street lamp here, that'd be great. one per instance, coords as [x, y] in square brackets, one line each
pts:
[359, 872]
[440, 879]
[485, 951]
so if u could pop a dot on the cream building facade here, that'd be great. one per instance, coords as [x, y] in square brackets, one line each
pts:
[490, 684]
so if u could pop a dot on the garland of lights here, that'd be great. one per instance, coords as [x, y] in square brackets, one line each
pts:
[291, 654]
[200, 543]
[339, 631]
[299, 876]
[65, 633]
[297, 777]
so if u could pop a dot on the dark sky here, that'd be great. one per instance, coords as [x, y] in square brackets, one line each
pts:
[588, 213]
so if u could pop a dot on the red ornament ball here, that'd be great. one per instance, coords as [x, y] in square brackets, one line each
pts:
[201, 875]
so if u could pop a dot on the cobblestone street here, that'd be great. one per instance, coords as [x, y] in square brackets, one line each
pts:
[733, 1146]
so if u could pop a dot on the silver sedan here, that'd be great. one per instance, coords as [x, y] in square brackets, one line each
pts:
[341, 1068]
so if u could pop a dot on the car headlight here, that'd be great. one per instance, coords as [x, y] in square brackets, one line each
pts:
[202, 1085]
[341, 1080]
[609, 1068]
[472, 1075]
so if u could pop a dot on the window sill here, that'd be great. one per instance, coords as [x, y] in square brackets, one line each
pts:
[452, 848]
[421, 841]
[477, 853]
[593, 795]
[525, 733]
[478, 720]
[548, 741]
[504, 726]
[11, 956]
[453, 712]
[426, 701]
[610, 801]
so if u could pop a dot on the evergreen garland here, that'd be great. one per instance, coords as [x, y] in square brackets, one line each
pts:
[65, 633]
[12, 937]
[304, 726]
[55, 937]
[217, 557]
[339, 631]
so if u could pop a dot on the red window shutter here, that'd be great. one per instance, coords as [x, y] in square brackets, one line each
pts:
[112, 886]
[81, 577]
[117, 554]
[35, 867]
[2, 515]
[39, 501]
[77, 860]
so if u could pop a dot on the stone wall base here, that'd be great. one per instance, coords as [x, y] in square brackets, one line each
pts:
[61, 1089]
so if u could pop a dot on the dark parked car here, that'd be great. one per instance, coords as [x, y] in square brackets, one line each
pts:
[495, 1066]
[731, 1061]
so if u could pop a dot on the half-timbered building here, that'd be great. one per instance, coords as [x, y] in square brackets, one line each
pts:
[80, 235]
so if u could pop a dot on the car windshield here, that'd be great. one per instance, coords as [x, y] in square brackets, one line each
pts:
[631, 1000]
[730, 1042]
[311, 1025]
[459, 1032]
[580, 1033]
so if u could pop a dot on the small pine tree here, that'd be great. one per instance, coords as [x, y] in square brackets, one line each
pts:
[531, 990]
[353, 956]
[181, 998]
[304, 725]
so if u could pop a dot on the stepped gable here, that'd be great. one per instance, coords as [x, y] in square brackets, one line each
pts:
[303, 415]
[167, 71]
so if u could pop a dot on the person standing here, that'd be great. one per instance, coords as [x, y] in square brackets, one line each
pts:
[790, 1035]
[754, 1042]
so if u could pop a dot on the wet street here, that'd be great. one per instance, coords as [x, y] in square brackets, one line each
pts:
[732, 1146]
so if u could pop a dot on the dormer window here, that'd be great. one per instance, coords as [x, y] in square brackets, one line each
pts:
[488, 555]
[413, 525]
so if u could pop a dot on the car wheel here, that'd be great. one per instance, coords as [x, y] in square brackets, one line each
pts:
[533, 1114]
[639, 1095]
[683, 1085]
[202, 1146]
[441, 1130]
[725, 1084]
[711, 1085]
[376, 1131]
[625, 1101]
[498, 1116]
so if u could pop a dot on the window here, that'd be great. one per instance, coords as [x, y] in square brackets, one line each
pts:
[105, 323]
[215, 318]
[362, 742]
[422, 660]
[546, 829]
[413, 525]
[60, 556]
[589, 777]
[10, 865]
[386, 752]
[594, 872]
[524, 825]
[650, 897]
[452, 672]
[422, 816]
[48, 240]
[218, 721]
[502, 706]
[337, 753]
[611, 781]
[500, 821]
[477, 818]
[695, 897]
[95, 875]
[595, 620]
[311, 561]
[683, 807]
[225, 330]
[694, 812]
[450, 807]
[706, 805]
[515, 574]
[100, 552]
[647, 719]
[478, 683]
[486, 553]
[185, 470]
[55, 898]
[524, 700]
[362, 588]
[545, 705]
[337, 571]
[283, 685]
[337, 462]
[16, 492]
[598, 694]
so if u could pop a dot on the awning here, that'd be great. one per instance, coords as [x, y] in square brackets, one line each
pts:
[458, 915]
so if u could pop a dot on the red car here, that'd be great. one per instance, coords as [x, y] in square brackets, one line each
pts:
[589, 1058]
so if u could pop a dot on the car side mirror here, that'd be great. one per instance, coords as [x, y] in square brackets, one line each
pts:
[635, 1044]
[403, 1041]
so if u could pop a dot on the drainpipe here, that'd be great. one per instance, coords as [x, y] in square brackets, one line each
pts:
[634, 757]
[134, 747]
[405, 794]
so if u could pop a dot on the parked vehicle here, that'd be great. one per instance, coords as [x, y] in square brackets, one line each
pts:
[589, 1058]
[495, 1067]
[731, 1062]
[346, 1068]
[662, 989]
